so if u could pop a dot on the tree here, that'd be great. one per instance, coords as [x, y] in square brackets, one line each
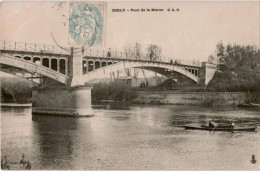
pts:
[118, 90]
[19, 89]
[100, 92]
[154, 52]
[121, 90]
[129, 51]
[239, 63]
[212, 59]
[236, 58]
[135, 51]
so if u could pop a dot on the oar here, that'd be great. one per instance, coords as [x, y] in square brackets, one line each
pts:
[213, 129]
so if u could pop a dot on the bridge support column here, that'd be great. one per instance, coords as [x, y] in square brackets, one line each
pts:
[58, 65]
[62, 101]
[75, 69]
[94, 65]
[66, 67]
[207, 73]
[50, 63]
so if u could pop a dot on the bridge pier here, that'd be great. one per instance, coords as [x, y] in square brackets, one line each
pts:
[62, 101]
[207, 73]
[55, 99]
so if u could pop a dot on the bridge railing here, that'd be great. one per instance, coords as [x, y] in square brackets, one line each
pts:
[126, 56]
[43, 48]
[31, 47]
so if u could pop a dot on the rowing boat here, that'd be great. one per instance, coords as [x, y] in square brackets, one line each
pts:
[250, 105]
[227, 129]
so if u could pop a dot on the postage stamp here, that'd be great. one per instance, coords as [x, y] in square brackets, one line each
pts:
[87, 23]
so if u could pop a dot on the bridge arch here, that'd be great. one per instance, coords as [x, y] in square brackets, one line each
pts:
[54, 64]
[103, 63]
[36, 60]
[97, 64]
[46, 62]
[28, 58]
[162, 68]
[62, 66]
[90, 65]
[31, 67]
[18, 56]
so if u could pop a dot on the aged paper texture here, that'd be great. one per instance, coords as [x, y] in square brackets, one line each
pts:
[91, 85]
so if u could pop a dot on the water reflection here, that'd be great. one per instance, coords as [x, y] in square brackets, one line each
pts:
[111, 107]
[54, 137]
[134, 138]
[17, 111]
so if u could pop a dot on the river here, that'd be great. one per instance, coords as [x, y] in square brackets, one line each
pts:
[131, 138]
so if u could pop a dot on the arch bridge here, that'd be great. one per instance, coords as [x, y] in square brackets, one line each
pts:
[99, 67]
[78, 66]
[70, 69]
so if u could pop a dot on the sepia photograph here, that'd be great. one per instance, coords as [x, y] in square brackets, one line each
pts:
[133, 86]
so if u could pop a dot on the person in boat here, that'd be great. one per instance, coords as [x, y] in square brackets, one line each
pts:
[232, 124]
[212, 123]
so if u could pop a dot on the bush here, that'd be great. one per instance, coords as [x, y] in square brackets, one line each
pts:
[228, 82]
[15, 90]
[119, 91]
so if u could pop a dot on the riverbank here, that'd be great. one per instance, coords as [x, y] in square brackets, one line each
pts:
[176, 98]
[192, 98]
[15, 104]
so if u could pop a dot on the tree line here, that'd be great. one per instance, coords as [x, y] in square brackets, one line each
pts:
[15, 90]
[152, 52]
[238, 68]
[117, 91]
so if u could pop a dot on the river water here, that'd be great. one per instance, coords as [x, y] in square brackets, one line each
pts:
[131, 138]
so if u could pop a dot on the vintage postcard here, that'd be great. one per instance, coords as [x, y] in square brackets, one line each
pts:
[103, 85]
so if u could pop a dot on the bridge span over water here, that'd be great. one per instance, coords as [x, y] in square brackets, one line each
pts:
[75, 67]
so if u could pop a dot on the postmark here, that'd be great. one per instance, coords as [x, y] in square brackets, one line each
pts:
[87, 24]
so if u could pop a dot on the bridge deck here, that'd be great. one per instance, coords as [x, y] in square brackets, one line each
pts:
[141, 60]
[33, 53]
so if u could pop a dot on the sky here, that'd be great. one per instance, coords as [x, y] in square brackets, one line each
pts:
[191, 33]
